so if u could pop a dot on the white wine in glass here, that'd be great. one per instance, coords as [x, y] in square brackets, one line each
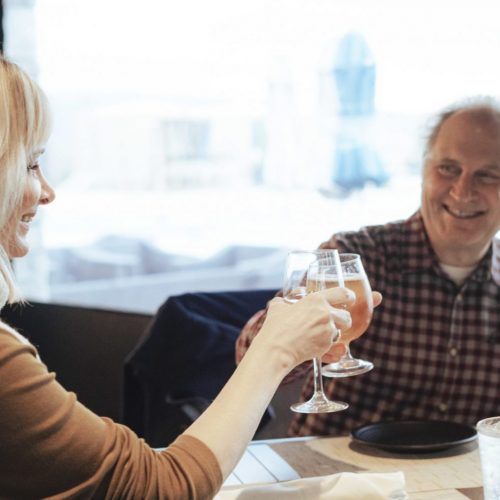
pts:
[354, 278]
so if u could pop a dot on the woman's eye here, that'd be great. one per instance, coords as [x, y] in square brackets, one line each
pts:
[33, 167]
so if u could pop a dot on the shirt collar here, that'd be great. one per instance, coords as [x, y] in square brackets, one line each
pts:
[418, 254]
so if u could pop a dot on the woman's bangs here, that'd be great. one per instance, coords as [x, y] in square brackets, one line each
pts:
[37, 125]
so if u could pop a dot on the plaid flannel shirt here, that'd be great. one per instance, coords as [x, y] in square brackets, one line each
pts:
[435, 345]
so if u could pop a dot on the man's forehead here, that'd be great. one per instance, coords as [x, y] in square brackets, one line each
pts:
[478, 121]
[470, 133]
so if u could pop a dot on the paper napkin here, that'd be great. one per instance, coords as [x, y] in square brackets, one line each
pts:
[342, 486]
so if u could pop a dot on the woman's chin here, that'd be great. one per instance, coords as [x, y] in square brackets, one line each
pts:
[17, 251]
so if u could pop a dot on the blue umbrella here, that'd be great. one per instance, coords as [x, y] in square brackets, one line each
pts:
[355, 163]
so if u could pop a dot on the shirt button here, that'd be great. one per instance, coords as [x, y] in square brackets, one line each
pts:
[443, 407]
[453, 352]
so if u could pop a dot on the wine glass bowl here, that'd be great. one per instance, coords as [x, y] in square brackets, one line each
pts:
[361, 310]
[296, 267]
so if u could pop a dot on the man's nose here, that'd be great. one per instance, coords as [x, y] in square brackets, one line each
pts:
[463, 188]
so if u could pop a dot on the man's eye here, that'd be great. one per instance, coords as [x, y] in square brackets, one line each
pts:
[34, 166]
[489, 178]
[447, 169]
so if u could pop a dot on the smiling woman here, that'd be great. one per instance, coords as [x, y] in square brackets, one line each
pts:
[37, 191]
[25, 119]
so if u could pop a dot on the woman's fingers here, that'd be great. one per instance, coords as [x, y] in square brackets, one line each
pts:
[341, 318]
[312, 324]
[339, 296]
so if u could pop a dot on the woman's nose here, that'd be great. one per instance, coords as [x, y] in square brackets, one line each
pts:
[48, 194]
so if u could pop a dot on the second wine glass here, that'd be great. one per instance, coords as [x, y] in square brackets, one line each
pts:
[354, 278]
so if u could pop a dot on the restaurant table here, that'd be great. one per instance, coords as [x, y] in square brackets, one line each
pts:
[448, 474]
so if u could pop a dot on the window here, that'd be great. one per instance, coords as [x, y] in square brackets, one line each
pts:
[195, 142]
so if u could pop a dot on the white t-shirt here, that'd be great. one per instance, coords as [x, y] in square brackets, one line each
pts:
[457, 274]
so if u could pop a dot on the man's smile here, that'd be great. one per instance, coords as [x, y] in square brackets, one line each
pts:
[463, 214]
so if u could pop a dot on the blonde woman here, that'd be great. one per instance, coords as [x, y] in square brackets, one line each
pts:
[50, 444]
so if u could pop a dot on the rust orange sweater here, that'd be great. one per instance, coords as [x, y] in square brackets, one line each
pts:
[51, 446]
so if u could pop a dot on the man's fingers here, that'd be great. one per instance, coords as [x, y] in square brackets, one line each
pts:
[334, 354]
[377, 298]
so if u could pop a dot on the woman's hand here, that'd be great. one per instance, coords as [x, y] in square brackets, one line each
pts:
[306, 329]
[338, 349]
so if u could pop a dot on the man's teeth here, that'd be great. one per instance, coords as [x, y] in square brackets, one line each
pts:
[462, 214]
[26, 218]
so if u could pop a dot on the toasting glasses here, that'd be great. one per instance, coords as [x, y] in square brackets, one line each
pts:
[300, 267]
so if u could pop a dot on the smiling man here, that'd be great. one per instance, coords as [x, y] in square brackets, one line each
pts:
[435, 340]
[461, 185]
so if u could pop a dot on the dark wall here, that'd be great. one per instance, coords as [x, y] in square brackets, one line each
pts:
[85, 347]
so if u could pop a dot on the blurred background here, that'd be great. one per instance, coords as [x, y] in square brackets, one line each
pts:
[194, 143]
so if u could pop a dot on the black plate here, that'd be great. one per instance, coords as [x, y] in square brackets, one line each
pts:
[414, 436]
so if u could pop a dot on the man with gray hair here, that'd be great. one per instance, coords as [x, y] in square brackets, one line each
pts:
[435, 340]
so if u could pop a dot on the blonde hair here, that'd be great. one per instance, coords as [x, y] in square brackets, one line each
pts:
[24, 126]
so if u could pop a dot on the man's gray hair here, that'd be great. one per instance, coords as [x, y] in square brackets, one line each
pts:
[486, 103]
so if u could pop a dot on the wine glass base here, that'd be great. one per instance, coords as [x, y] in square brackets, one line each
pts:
[319, 405]
[353, 367]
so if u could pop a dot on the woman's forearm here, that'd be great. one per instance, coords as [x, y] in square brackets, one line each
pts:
[230, 422]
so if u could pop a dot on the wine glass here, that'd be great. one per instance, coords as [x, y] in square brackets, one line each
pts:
[354, 278]
[298, 266]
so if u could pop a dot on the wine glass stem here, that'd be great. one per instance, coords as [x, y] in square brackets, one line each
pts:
[318, 378]
[347, 360]
[347, 354]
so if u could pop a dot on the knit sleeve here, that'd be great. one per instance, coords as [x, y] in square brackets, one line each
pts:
[54, 447]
